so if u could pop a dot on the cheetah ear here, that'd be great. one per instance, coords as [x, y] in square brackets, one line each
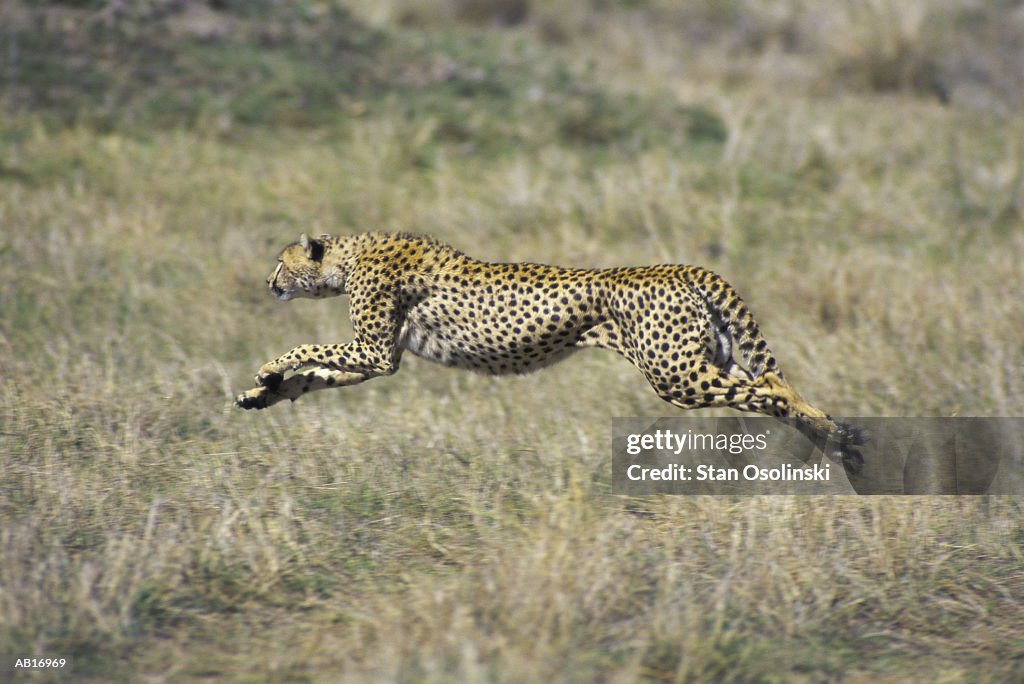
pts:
[314, 248]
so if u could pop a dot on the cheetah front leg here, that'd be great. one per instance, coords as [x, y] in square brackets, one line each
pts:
[354, 357]
[295, 386]
[375, 351]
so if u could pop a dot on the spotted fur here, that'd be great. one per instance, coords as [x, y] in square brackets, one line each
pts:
[684, 327]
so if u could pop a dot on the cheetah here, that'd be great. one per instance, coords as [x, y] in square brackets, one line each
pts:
[684, 327]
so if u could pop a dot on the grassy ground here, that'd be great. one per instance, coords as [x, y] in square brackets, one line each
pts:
[863, 192]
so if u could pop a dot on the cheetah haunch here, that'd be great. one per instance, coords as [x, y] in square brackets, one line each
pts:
[684, 327]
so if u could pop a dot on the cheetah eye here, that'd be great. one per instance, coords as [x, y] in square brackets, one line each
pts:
[316, 250]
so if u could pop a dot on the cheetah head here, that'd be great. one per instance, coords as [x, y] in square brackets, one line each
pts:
[306, 269]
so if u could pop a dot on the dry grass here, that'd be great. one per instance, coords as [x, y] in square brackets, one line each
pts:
[437, 526]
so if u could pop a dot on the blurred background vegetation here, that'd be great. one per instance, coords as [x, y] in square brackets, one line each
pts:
[222, 63]
[855, 168]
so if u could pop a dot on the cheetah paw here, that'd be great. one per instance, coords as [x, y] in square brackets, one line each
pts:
[269, 379]
[852, 460]
[847, 434]
[253, 399]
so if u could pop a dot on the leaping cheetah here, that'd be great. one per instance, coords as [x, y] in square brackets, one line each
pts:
[684, 327]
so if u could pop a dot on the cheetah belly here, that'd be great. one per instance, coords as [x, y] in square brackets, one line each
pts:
[456, 349]
[426, 343]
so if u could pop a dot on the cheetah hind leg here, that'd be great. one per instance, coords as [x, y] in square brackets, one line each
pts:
[838, 441]
[277, 388]
[770, 395]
